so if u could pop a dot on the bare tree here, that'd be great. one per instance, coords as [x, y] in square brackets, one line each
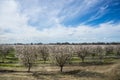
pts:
[4, 51]
[109, 50]
[82, 52]
[61, 55]
[93, 52]
[117, 51]
[100, 52]
[27, 55]
[44, 53]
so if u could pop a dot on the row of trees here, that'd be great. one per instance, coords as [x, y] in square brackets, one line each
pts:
[59, 54]
[29, 54]
[4, 51]
[67, 43]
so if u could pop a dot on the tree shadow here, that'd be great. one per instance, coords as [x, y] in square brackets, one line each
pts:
[96, 63]
[7, 71]
[81, 73]
[43, 75]
[75, 73]
[11, 71]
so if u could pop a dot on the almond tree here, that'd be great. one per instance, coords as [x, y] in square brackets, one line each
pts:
[100, 52]
[44, 52]
[27, 55]
[117, 50]
[93, 52]
[109, 50]
[61, 55]
[4, 51]
[82, 52]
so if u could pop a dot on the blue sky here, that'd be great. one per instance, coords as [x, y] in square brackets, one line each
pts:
[46, 21]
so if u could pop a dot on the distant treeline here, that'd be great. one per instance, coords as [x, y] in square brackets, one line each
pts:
[94, 43]
[67, 43]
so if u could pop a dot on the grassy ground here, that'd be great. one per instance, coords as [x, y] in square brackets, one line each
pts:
[11, 69]
[76, 71]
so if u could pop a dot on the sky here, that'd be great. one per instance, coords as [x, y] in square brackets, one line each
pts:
[51, 21]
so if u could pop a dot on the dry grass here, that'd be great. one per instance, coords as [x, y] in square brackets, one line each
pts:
[74, 72]
[114, 73]
[52, 73]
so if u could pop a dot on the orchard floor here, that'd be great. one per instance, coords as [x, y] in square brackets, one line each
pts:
[51, 72]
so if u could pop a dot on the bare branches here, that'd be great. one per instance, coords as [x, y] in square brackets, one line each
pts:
[26, 55]
[109, 50]
[43, 51]
[117, 50]
[4, 51]
[82, 52]
[61, 55]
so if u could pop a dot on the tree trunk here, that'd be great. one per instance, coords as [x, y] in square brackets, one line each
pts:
[29, 67]
[61, 68]
[82, 59]
[44, 61]
[93, 58]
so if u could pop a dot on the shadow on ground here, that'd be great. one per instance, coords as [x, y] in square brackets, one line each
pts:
[75, 73]
[58, 75]
[6, 71]
[92, 63]
[11, 71]
[81, 73]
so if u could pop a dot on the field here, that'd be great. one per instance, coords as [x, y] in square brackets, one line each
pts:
[75, 69]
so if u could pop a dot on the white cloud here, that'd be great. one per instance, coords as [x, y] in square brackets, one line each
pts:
[52, 12]
[78, 8]
[14, 27]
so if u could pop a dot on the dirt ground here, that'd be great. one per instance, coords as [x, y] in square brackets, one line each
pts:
[50, 72]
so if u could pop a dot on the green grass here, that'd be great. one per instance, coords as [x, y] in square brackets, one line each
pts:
[73, 72]
[87, 72]
[75, 59]
[12, 60]
[42, 62]
[10, 65]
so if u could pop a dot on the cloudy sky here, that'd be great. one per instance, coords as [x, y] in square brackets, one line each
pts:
[46, 21]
